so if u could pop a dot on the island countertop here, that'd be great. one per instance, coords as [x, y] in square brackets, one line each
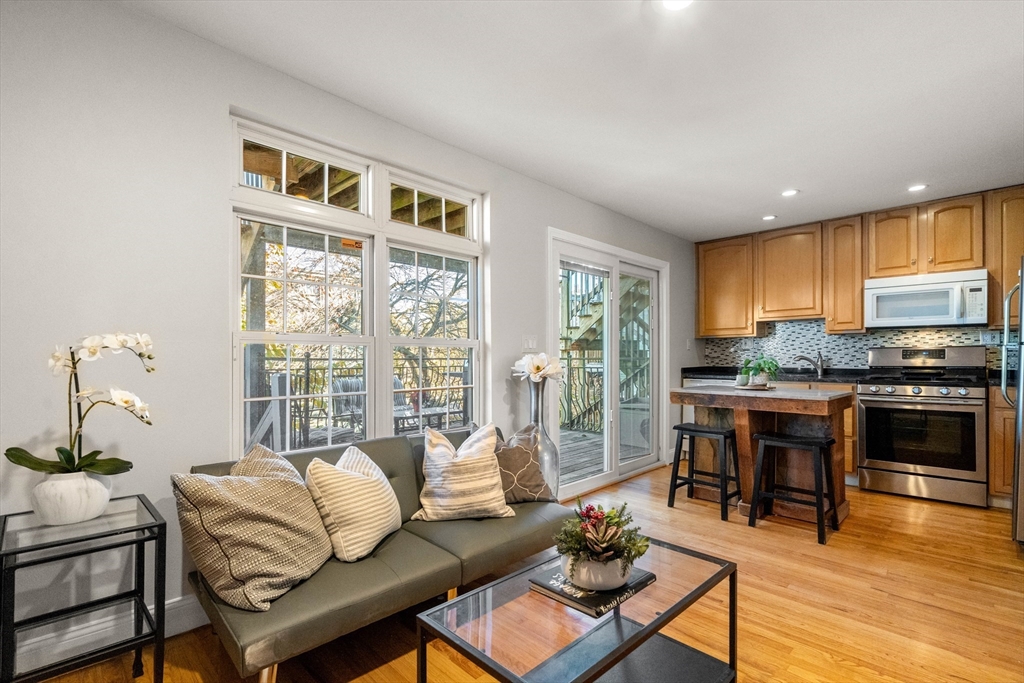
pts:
[778, 400]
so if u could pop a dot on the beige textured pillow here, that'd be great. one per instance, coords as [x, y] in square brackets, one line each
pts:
[254, 534]
[521, 476]
[356, 502]
[463, 484]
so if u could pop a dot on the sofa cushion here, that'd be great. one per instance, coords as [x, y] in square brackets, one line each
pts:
[253, 537]
[356, 502]
[402, 571]
[487, 545]
[521, 477]
[463, 483]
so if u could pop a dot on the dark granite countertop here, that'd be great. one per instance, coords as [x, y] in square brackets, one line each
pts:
[995, 377]
[835, 375]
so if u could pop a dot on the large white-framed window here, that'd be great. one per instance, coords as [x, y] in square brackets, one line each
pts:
[349, 324]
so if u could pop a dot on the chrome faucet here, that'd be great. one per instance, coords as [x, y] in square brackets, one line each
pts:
[818, 365]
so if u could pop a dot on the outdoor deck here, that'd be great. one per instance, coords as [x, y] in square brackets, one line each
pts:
[581, 455]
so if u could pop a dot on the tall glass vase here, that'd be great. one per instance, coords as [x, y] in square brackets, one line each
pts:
[547, 452]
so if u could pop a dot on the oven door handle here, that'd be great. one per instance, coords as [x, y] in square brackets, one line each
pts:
[931, 401]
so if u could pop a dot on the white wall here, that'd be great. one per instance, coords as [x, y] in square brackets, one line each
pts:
[117, 160]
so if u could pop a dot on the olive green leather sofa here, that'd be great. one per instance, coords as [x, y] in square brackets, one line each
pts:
[416, 563]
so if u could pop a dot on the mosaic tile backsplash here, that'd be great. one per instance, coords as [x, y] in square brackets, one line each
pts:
[784, 341]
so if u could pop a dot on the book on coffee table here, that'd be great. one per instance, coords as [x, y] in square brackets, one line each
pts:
[595, 603]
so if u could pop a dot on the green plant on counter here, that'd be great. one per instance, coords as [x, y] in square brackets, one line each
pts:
[762, 364]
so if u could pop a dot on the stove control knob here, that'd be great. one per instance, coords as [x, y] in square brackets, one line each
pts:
[944, 391]
[916, 390]
[873, 389]
[890, 390]
[963, 392]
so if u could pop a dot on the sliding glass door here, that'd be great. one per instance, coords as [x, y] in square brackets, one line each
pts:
[607, 407]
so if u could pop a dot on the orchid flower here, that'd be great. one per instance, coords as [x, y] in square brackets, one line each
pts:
[90, 348]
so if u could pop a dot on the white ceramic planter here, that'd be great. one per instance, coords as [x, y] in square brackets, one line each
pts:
[596, 576]
[69, 498]
[759, 380]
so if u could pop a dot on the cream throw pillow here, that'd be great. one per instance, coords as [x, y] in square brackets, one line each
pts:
[356, 502]
[463, 484]
[254, 534]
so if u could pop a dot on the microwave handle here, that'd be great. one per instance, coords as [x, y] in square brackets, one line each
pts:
[959, 302]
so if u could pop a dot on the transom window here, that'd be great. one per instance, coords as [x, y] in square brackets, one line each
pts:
[266, 167]
[330, 348]
[429, 211]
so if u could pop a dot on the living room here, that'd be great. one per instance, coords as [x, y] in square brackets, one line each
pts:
[540, 151]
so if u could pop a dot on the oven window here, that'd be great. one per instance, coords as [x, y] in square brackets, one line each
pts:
[928, 438]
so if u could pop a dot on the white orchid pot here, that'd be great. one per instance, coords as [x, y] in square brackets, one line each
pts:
[596, 576]
[70, 498]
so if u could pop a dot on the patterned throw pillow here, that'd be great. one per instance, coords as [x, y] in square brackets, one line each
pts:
[521, 477]
[356, 501]
[254, 534]
[463, 484]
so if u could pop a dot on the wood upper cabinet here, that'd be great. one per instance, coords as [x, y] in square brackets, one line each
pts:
[844, 275]
[892, 243]
[725, 288]
[1001, 421]
[954, 235]
[788, 273]
[1004, 235]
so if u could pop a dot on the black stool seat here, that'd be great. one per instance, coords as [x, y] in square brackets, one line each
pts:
[725, 437]
[820, 449]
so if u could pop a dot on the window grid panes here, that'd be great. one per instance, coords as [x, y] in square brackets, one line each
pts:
[264, 167]
[427, 210]
[300, 396]
[433, 387]
[300, 282]
[429, 295]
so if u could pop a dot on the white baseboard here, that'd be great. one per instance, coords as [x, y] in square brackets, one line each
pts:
[180, 615]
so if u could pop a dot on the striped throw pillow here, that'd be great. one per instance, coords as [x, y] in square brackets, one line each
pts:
[356, 502]
[462, 484]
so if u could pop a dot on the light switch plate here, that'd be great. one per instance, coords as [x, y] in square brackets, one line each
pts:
[529, 342]
[990, 338]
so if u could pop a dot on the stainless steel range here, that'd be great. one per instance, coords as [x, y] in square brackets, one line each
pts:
[922, 423]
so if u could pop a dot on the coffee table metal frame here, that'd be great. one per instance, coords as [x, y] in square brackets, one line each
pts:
[426, 629]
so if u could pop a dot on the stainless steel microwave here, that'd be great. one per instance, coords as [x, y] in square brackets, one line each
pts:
[956, 298]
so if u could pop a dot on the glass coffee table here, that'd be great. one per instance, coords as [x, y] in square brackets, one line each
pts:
[516, 634]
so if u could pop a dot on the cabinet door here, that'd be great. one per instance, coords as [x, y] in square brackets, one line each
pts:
[844, 275]
[954, 234]
[725, 288]
[1001, 421]
[789, 273]
[892, 243]
[1004, 246]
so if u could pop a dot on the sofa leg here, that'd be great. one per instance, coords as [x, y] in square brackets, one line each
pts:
[453, 593]
[269, 675]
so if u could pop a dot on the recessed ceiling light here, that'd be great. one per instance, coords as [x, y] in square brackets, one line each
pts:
[916, 188]
[768, 218]
[789, 193]
[676, 5]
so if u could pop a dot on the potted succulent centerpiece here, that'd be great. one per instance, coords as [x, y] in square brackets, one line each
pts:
[598, 547]
[760, 370]
[77, 488]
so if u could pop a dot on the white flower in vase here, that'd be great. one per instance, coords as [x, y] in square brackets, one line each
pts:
[91, 347]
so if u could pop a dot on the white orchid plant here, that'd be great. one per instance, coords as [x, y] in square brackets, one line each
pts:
[538, 367]
[88, 350]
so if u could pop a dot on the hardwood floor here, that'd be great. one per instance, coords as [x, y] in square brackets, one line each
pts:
[908, 591]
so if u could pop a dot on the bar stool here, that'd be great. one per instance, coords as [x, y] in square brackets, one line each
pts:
[821, 453]
[725, 438]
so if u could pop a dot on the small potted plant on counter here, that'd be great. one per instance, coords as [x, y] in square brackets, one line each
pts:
[761, 370]
[598, 548]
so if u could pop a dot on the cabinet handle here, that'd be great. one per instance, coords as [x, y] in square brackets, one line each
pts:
[831, 319]
[931, 259]
[913, 261]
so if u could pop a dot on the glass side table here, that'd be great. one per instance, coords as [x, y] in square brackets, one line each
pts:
[26, 542]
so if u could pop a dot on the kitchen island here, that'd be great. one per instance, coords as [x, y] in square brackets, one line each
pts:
[800, 412]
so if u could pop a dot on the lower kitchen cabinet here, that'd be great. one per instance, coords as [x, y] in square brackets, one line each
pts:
[849, 424]
[1000, 443]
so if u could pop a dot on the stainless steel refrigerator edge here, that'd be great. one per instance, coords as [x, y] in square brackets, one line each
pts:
[1018, 468]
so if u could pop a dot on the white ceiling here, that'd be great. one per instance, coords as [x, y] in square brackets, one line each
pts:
[692, 122]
